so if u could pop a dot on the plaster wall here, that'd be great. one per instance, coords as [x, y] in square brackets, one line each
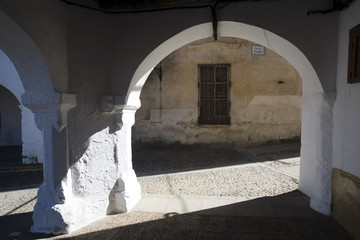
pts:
[262, 110]
[346, 110]
[346, 152]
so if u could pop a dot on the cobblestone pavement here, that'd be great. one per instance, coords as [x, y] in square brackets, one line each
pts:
[263, 180]
[246, 182]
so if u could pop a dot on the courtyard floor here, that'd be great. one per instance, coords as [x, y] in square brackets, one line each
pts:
[190, 192]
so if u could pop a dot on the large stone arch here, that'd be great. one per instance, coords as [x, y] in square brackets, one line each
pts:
[315, 171]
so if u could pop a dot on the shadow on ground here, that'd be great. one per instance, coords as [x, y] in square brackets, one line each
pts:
[295, 221]
[15, 179]
[19, 226]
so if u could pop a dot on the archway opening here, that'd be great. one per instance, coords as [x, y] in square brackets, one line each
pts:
[311, 183]
[219, 120]
[21, 141]
[10, 128]
[30, 138]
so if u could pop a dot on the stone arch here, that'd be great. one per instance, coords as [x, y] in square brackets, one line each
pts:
[315, 170]
[311, 82]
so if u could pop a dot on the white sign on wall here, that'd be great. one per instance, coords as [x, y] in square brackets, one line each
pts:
[257, 50]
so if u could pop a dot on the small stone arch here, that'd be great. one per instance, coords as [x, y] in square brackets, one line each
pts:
[315, 170]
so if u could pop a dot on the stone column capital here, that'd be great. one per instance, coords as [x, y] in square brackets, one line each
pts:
[125, 114]
[53, 114]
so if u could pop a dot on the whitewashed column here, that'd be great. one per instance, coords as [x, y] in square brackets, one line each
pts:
[316, 150]
[48, 215]
[127, 191]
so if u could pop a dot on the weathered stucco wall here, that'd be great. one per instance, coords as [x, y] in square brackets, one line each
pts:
[346, 200]
[261, 110]
[346, 151]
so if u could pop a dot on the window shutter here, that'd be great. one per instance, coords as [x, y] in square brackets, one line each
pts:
[221, 95]
[214, 91]
[206, 94]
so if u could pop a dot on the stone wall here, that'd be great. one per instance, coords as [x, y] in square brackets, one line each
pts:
[265, 97]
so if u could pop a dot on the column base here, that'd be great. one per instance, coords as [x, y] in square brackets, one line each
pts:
[125, 194]
[47, 215]
[320, 206]
[59, 211]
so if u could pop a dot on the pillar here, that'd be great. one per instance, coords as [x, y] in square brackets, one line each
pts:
[316, 150]
[126, 192]
[49, 210]
[100, 181]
